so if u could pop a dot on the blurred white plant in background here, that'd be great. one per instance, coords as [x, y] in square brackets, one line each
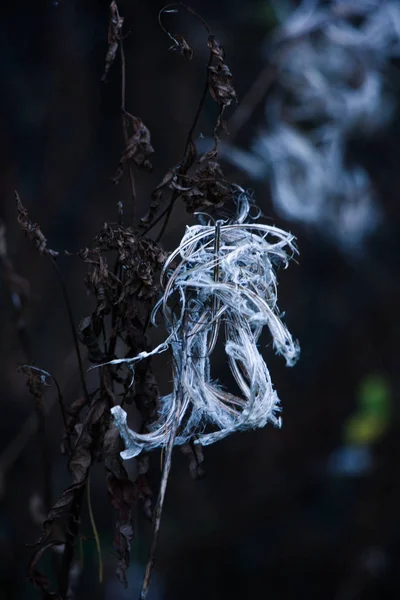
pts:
[222, 275]
[332, 84]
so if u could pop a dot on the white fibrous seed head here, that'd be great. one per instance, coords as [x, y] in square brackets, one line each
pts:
[219, 282]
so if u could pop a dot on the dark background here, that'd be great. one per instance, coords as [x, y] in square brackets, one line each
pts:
[275, 516]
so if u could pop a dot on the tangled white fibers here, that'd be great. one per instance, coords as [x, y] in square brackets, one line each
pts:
[222, 278]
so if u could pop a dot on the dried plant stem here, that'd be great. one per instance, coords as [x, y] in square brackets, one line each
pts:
[94, 529]
[189, 139]
[73, 526]
[125, 131]
[156, 220]
[44, 449]
[72, 326]
[200, 106]
[173, 7]
[43, 442]
[167, 213]
[164, 477]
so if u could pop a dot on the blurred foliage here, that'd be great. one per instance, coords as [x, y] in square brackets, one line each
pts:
[373, 411]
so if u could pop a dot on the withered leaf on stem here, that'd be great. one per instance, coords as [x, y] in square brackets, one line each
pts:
[154, 204]
[37, 379]
[220, 85]
[74, 410]
[207, 188]
[32, 230]
[216, 48]
[36, 577]
[81, 458]
[220, 82]
[138, 149]
[141, 259]
[182, 46]
[114, 36]
[212, 154]
[79, 464]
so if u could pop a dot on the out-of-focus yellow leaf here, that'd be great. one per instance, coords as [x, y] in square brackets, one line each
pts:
[371, 418]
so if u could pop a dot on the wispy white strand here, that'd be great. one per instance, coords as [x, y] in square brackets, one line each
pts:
[224, 277]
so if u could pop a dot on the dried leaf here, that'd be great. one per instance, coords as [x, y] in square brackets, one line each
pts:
[36, 577]
[181, 46]
[65, 508]
[32, 230]
[216, 48]
[208, 188]
[220, 85]
[210, 154]
[81, 458]
[138, 149]
[154, 204]
[73, 412]
[114, 37]
[37, 378]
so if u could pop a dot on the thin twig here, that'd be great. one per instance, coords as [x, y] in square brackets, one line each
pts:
[73, 526]
[125, 132]
[95, 531]
[174, 8]
[168, 212]
[46, 456]
[156, 220]
[165, 474]
[72, 327]
[189, 139]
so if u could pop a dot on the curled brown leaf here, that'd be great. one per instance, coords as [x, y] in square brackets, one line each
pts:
[220, 85]
[138, 149]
